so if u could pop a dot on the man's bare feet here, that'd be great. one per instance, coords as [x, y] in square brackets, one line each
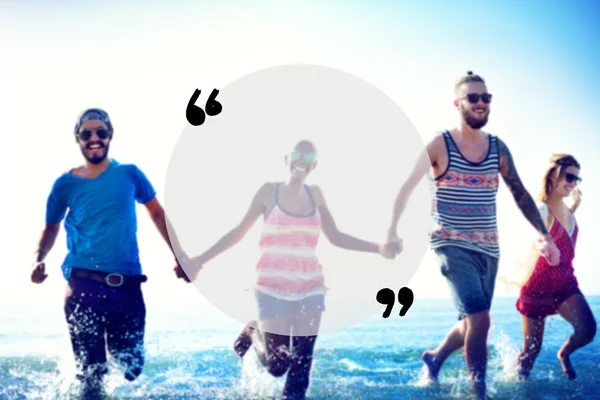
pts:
[92, 390]
[244, 340]
[433, 368]
[567, 367]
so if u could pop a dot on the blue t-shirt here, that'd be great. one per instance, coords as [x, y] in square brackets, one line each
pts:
[101, 221]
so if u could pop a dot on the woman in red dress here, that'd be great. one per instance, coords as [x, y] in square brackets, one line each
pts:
[552, 287]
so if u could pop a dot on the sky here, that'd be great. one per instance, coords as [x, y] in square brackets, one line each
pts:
[142, 63]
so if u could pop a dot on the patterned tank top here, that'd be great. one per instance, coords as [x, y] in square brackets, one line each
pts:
[288, 267]
[464, 201]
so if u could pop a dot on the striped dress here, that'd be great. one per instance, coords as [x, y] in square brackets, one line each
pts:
[288, 268]
[464, 203]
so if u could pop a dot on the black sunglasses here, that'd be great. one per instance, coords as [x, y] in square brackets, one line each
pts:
[86, 134]
[474, 98]
[570, 178]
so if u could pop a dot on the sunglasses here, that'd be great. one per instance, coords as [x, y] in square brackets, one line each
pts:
[86, 134]
[473, 98]
[570, 178]
[308, 157]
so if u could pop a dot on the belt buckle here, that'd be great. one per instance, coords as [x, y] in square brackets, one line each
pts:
[107, 279]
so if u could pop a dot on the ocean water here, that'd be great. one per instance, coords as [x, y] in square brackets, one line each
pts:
[189, 355]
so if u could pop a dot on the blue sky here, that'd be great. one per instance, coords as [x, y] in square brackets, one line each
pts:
[141, 63]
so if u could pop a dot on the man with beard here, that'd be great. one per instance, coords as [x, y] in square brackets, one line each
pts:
[104, 305]
[465, 163]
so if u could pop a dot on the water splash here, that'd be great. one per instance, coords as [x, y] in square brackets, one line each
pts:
[256, 382]
[503, 363]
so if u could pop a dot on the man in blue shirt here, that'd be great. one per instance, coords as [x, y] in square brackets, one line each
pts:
[104, 305]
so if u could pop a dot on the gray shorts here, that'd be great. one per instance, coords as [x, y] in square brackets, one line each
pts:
[272, 307]
[471, 276]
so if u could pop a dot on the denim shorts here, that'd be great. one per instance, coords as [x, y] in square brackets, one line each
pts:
[273, 307]
[471, 276]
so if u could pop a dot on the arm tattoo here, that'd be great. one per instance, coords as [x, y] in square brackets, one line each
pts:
[520, 194]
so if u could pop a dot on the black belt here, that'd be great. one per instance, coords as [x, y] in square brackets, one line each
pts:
[111, 279]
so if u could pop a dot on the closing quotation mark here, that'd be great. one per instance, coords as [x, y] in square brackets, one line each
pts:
[388, 297]
[196, 115]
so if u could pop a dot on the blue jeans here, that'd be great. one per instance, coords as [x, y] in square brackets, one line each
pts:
[101, 317]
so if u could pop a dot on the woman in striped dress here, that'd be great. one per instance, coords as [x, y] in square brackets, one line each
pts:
[290, 289]
[548, 289]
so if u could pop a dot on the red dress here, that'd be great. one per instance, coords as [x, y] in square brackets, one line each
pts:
[548, 287]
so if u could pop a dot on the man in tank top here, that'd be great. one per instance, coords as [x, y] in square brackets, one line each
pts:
[465, 164]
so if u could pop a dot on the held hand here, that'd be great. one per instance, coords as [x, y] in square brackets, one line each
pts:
[393, 246]
[180, 273]
[38, 275]
[549, 251]
[192, 266]
[553, 254]
[384, 251]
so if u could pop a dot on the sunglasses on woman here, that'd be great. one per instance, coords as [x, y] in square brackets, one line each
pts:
[570, 178]
[86, 134]
[473, 98]
[308, 156]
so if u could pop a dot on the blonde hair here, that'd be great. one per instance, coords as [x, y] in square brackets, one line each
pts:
[558, 164]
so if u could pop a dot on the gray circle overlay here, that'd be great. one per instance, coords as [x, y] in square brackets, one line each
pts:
[367, 147]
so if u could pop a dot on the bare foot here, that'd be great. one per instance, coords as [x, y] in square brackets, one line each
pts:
[567, 367]
[92, 391]
[433, 369]
[522, 373]
[244, 341]
[479, 389]
[524, 366]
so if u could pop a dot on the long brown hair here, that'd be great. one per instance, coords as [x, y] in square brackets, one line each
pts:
[558, 164]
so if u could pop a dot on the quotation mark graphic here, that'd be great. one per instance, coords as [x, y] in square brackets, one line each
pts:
[196, 115]
[388, 297]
